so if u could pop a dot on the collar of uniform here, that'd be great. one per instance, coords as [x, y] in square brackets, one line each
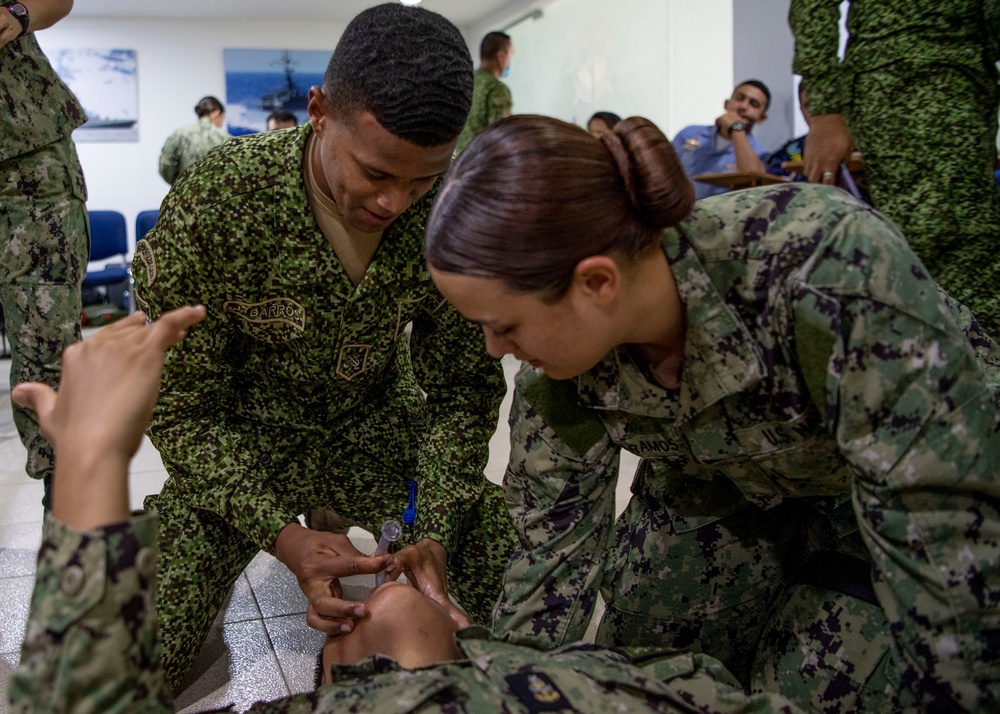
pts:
[384, 268]
[719, 355]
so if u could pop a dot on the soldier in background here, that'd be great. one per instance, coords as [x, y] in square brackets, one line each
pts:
[281, 119]
[817, 501]
[491, 98]
[190, 143]
[44, 235]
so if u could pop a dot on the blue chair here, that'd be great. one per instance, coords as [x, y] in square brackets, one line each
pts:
[109, 239]
[143, 222]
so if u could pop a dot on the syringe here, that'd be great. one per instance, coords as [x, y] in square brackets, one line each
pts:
[391, 530]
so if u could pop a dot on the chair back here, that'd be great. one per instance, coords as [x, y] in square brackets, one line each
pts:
[108, 235]
[143, 222]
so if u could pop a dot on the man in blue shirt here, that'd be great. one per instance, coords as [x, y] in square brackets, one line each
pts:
[726, 145]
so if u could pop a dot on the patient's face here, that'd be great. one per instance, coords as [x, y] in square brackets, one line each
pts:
[404, 624]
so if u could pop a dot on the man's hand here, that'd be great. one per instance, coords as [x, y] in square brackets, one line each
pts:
[423, 564]
[723, 123]
[105, 402]
[10, 27]
[829, 143]
[319, 559]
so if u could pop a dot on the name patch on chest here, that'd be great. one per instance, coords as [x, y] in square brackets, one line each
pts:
[284, 310]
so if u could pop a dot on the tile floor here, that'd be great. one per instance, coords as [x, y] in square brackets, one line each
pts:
[259, 647]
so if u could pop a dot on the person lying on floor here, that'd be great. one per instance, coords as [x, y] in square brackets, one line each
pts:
[92, 642]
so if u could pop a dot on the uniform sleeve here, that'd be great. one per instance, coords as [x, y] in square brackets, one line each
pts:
[816, 27]
[915, 415]
[170, 164]
[499, 104]
[560, 489]
[464, 388]
[91, 643]
[206, 459]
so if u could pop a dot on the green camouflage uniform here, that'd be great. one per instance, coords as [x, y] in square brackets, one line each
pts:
[298, 390]
[187, 145]
[93, 590]
[43, 218]
[918, 87]
[491, 102]
[837, 423]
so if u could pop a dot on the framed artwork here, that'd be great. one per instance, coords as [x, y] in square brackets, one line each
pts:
[106, 83]
[259, 82]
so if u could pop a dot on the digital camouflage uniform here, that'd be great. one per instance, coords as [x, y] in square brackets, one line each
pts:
[491, 101]
[187, 145]
[44, 242]
[918, 88]
[301, 391]
[93, 590]
[836, 424]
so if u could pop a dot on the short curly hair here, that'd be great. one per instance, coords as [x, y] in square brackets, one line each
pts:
[409, 67]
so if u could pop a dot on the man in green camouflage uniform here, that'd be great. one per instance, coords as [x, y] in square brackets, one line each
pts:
[816, 505]
[302, 388]
[43, 216]
[918, 89]
[190, 143]
[491, 100]
[92, 638]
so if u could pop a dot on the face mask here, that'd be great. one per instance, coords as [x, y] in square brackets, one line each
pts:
[506, 72]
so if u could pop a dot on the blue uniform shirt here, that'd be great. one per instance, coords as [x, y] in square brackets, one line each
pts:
[696, 145]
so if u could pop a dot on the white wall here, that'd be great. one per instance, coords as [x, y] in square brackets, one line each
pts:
[633, 57]
[178, 63]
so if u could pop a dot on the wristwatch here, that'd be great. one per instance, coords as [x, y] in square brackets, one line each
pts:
[20, 12]
[737, 126]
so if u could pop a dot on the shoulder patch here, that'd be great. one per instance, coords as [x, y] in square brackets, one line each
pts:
[537, 692]
[556, 401]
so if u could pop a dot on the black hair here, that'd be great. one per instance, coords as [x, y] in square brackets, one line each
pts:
[493, 43]
[282, 116]
[609, 119]
[762, 87]
[409, 67]
[207, 105]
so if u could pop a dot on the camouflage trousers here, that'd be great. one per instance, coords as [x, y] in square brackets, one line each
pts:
[928, 137]
[202, 554]
[708, 573]
[45, 246]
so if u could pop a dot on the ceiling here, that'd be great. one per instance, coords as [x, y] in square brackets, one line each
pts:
[463, 13]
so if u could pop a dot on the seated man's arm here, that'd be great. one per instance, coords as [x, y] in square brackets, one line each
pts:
[749, 158]
[91, 641]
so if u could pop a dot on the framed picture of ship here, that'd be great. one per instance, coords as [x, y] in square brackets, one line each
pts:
[259, 82]
[105, 82]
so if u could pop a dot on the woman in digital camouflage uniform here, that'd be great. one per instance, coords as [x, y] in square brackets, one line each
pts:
[817, 501]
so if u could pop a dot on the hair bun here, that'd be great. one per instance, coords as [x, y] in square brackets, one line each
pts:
[653, 174]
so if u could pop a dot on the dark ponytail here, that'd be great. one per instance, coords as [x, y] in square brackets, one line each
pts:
[532, 196]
